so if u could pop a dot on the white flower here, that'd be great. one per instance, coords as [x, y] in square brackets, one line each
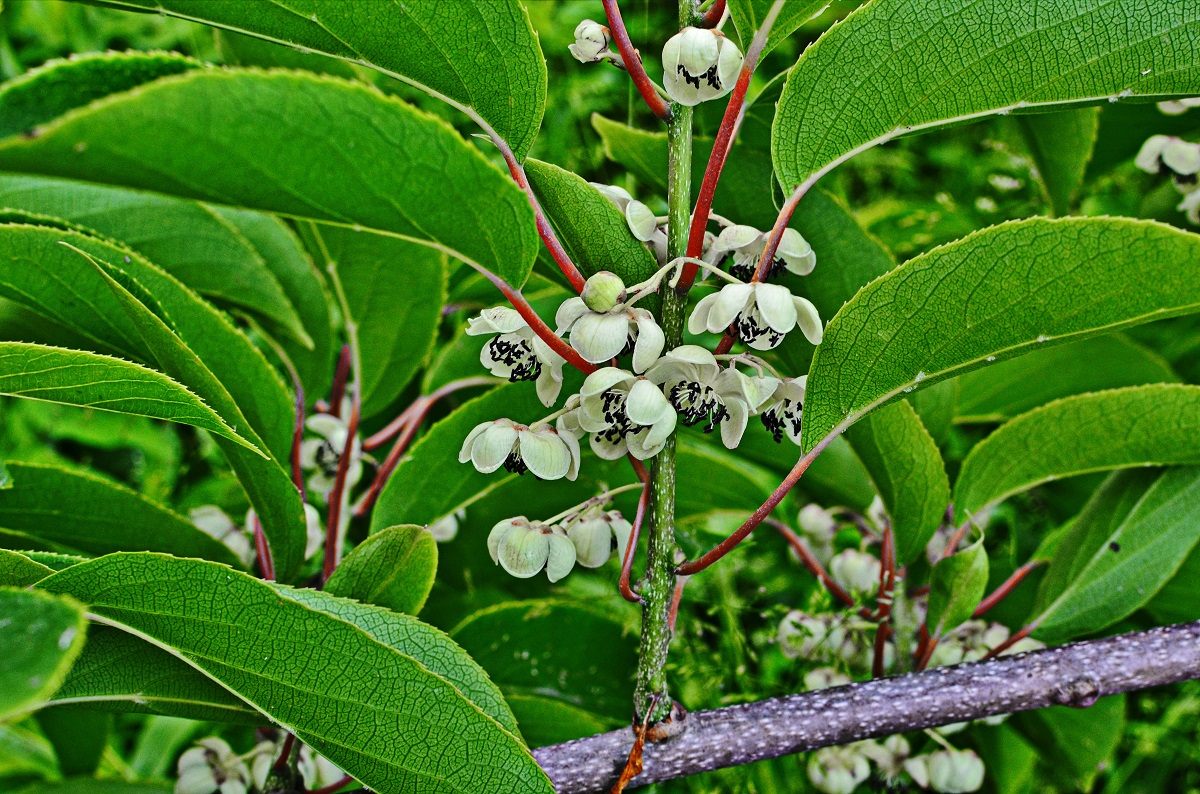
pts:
[593, 535]
[699, 65]
[1177, 107]
[856, 571]
[1191, 206]
[314, 531]
[523, 548]
[701, 391]
[517, 353]
[602, 336]
[445, 528]
[889, 755]
[316, 770]
[784, 409]
[549, 454]
[214, 522]
[744, 246]
[623, 413]
[592, 42]
[838, 770]
[955, 771]
[321, 455]
[212, 768]
[762, 314]
[1179, 157]
[824, 678]
[641, 219]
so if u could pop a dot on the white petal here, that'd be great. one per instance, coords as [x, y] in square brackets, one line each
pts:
[591, 416]
[737, 236]
[492, 447]
[1191, 206]
[705, 364]
[496, 320]
[650, 341]
[646, 404]
[607, 450]
[730, 301]
[1182, 157]
[729, 63]
[568, 313]
[1148, 157]
[465, 453]
[698, 321]
[523, 552]
[641, 221]
[544, 453]
[809, 320]
[328, 427]
[797, 254]
[661, 430]
[602, 380]
[497, 368]
[618, 196]
[593, 540]
[733, 427]
[600, 337]
[572, 443]
[620, 529]
[775, 304]
[308, 452]
[497, 534]
[549, 384]
[561, 557]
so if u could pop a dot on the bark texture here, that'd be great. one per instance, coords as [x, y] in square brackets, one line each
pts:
[1068, 675]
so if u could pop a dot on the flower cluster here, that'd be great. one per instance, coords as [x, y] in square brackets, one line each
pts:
[1181, 160]
[840, 770]
[524, 548]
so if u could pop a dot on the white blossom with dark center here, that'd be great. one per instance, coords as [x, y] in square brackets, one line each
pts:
[321, 454]
[783, 411]
[744, 246]
[517, 353]
[1177, 156]
[761, 314]
[698, 65]
[542, 450]
[622, 413]
[602, 336]
[705, 394]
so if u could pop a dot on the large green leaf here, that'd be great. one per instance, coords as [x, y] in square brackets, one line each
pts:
[395, 290]
[84, 513]
[907, 469]
[76, 377]
[375, 690]
[748, 16]
[956, 586]
[120, 673]
[899, 66]
[1081, 741]
[994, 295]
[592, 230]
[1003, 390]
[1136, 426]
[1061, 145]
[1130, 539]
[25, 752]
[481, 56]
[393, 568]
[41, 636]
[546, 654]
[250, 139]
[187, 239]
[18, 570]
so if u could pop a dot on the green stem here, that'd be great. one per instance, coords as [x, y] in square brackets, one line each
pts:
[659, 587]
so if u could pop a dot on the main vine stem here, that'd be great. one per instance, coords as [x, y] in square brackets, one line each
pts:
[659, 586]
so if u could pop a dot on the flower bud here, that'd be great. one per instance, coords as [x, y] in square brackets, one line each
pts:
[817, 524]
[523, 548]
[603, 291]
[698, 65]
[955, 771]
[837, 770]
[591, 42]
[857, 572]
[212, 768]
[824, 678]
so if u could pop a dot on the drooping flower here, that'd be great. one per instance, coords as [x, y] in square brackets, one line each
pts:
[955, 771]
[602, 336]
[1179, 157]
[322, 454]
[593, 535]
[703, 392]
[523, 548]
[698, 65]
[542, 450]
[744, 246]
[593, 43]
[640, 218]
[623, 413]
[517, 353]
[761, 314]
[856, 571]
[784, 409]
[212, 768]
[214, 522]
[838, 770]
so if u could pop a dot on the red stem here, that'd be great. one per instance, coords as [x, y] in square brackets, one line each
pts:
[549, 238]
[339, 488]
[633, 62]
[673, 614]
[631, 547]
[712, 17]
[419, 410]
[1001, 592]
[332, 787]
[396, 425]
[266, 564]
[931, 644]
[539, 327]
[339, 382]
[955, 539]
[756, 518]
[285, 751]
[1010, 642]
[883, 600]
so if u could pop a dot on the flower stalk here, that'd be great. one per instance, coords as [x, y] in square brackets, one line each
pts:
[633, 62]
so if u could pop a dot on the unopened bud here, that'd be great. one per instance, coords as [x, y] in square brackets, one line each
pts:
[603, 291]
[955, 771]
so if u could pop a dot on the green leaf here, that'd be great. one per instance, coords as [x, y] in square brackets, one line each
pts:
[24, 751]
[956, 586]
[708, 476]
[1061, 145]
[907, 469]
[548, 654]
[936, 406]
[427, 183]
[1081, 741]
[76, 377]
[871, 77]
[1004, 390]
[99, 516]
[393, 568]
[1129, 540]
[593, 231]
[994, 295]
[481, 56]
[79, 738]
[748, 16]
[1136, 426]
[41, 95]
[187, 239]
[87, 785]
[120, 673]
[395, 337]
[18, 570]
[370, 706]
[42, 635]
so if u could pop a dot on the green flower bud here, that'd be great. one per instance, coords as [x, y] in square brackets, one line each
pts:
[603, 291]
[955, 771]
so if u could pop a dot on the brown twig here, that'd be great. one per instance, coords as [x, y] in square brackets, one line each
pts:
[633, 62]
[332, 787]
[340, 376]
[332, 552]
[262, 551]
[883, 600]
[712, 17]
